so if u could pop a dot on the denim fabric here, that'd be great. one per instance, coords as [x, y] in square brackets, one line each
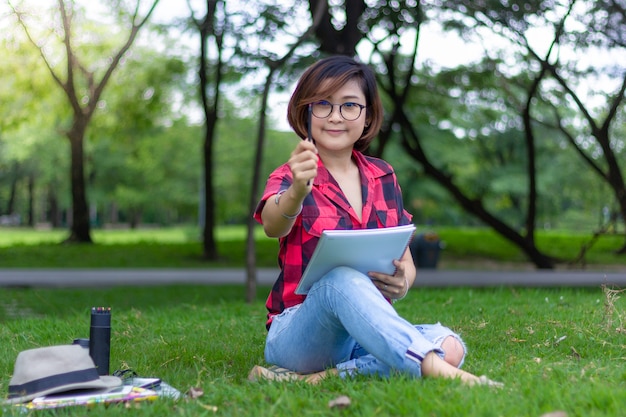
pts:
[345, 322]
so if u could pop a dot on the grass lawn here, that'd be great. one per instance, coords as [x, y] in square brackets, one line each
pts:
[181, 247]
[554, 349]
[145, 248]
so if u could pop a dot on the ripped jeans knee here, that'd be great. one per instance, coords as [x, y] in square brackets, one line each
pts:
[447, 340]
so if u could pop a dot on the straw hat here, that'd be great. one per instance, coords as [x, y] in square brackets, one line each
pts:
[55, 369]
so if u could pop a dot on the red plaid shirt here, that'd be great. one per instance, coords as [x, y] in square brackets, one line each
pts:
[325, 208]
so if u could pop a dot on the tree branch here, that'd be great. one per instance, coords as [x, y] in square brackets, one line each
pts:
[117, 58]
[21, 22]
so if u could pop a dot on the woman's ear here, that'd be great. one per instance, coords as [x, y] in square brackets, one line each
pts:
[368, 119]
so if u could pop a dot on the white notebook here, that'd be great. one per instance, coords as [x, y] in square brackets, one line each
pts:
[366, 250]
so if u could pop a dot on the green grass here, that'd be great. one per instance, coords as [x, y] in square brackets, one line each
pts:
[554, 349]
[181, 248]
[479, 243]
[144, 248]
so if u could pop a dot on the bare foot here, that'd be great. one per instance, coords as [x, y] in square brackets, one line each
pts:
[435, 367]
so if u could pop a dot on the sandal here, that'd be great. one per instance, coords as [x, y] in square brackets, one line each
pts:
[276, 373]
[273, 373]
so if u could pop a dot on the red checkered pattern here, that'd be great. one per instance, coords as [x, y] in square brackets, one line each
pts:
[327, 208]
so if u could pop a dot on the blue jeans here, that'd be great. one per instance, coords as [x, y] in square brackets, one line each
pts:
[345, 322]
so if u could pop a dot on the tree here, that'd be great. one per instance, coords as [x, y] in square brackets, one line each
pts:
[398, 79]
[139, 159]
[217, 66]
[83, 86]
[337, 35]
[386, 26]
[412, 142]
[603, 33]
[24, 127]
[578, 28]
[274, 64]
[212, 27]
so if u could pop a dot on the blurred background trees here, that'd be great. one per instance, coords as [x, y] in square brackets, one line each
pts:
[502, 114]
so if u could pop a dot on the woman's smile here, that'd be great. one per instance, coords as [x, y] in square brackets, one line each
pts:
[335, 132]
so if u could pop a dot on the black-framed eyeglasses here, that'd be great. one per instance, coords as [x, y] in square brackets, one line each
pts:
[349, 110]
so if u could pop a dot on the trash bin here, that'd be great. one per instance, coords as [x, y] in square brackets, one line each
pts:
[425, 249]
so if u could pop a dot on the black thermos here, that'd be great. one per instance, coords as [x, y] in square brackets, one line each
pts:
[100, 338]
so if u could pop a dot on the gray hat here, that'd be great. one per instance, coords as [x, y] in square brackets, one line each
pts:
[55, 369]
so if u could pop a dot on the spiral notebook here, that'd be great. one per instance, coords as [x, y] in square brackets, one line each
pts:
[366, 250]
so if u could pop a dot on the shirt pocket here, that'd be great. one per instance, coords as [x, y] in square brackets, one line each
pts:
[314, 225]
[387, 217]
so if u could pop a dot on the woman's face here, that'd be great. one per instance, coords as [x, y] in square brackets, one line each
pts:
[335, 133]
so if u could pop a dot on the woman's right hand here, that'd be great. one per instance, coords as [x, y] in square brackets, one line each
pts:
[279, 216]
[303, 165]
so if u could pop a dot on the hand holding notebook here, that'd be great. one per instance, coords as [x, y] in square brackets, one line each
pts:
[366, 250]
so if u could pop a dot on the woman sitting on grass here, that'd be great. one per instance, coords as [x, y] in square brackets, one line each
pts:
[346, 324]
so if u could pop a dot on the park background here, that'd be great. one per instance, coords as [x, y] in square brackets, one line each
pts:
[153, 114]
[140, 133]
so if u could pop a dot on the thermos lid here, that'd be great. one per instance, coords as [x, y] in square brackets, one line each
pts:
[101, 316]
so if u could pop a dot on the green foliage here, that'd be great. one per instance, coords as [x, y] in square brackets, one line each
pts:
[470, 126]
[144, 148]
[25, 128]
[235, 148]
[156, 173]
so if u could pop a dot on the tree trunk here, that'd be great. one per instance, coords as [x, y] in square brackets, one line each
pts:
[80, 230]
[617, 184]
[208, 234]
[411, 144]
[31, 200]
[13, 192]
[344, 40]
[207, 27]
[601, 133]
[531, 210]
[251, 282]
[317, 13]
[134, 219]
[54, 215]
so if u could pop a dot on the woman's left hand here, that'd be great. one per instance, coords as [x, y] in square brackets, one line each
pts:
[396, 286]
